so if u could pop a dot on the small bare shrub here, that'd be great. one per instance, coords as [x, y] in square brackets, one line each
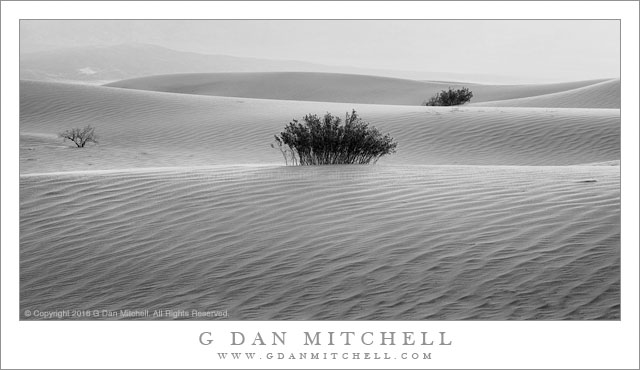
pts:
[80, 137]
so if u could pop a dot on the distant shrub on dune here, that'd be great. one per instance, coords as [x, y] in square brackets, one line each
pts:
[79, 136]
[450, 97]
[326, 140]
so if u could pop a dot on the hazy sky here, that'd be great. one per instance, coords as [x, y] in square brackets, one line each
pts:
[548, 50]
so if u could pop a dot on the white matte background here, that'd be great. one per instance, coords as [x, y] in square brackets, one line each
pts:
[491, 344]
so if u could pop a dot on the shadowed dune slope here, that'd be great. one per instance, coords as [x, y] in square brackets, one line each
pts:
[601, 95]
[153, 129]
[328, 242]
[329, 87]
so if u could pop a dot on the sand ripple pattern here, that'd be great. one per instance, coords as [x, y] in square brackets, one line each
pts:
[334, 242]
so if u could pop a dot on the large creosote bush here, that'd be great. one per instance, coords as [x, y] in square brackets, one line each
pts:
[317, 141]
[450, 97]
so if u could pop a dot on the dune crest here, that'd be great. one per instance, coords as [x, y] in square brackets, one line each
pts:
[605, 94]
[330, 87]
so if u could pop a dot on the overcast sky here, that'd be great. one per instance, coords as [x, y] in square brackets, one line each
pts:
[545, 50]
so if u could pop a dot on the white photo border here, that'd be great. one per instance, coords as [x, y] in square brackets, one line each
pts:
[489, 344]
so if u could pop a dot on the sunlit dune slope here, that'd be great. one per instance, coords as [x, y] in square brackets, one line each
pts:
[153, 129]
[329, 87]
[601, 95]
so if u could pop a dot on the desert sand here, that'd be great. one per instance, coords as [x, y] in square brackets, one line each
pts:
[504, 209]
[604, 94]
[331, 87]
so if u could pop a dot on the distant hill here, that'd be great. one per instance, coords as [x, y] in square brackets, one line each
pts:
[330, 87]
[92, 64]
[111, 63]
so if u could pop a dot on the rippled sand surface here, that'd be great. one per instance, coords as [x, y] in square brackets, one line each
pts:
[441, 243]
[485, 213]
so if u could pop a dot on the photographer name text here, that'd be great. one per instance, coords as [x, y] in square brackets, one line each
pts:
[346, 338]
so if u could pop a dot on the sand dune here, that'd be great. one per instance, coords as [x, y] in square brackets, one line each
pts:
[330, 242]
[151, 129]
[485, 213]
[330, 87]
[600, 95]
